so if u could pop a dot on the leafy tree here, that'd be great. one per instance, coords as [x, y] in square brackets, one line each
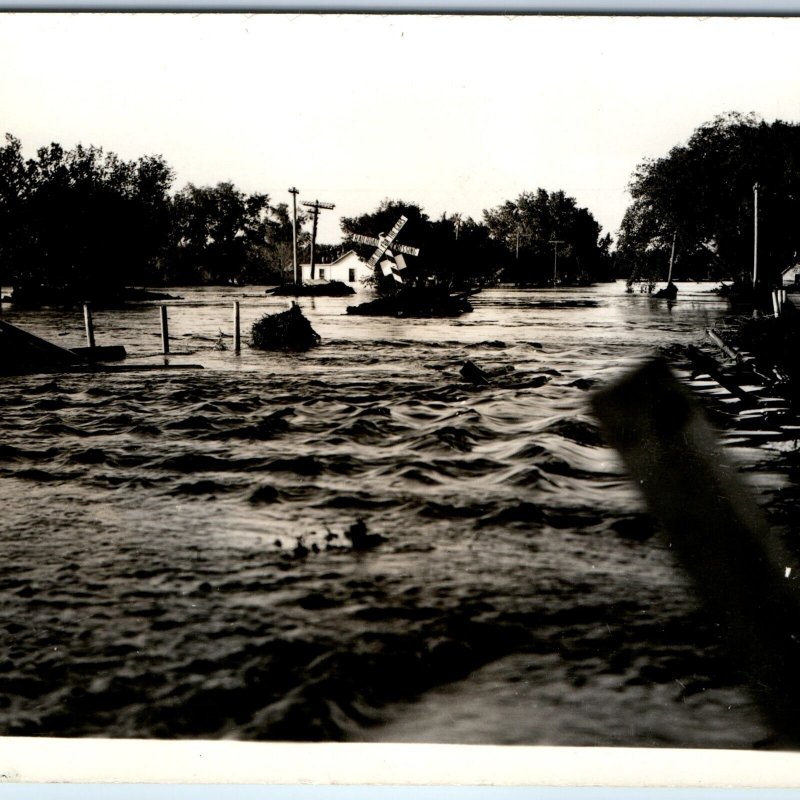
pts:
[529, 228]
[278, 252]
[219, 233]
[81, 222]
[16, 236]
[703, 191]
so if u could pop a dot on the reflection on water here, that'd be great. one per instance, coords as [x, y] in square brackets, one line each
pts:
[176, 565]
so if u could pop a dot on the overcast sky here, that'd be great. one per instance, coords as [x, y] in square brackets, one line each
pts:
[455, 113]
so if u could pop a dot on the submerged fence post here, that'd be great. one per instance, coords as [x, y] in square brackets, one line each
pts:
[87, 320]
[164, 331]
[237, 341]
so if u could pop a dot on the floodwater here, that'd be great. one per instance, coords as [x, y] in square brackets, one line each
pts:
[174, 553]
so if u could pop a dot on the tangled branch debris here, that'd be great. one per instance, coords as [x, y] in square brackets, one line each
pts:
[288, 330]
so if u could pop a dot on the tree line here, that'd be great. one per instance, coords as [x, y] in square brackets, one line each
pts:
[702, 195]
[512, 243]
[83, 223]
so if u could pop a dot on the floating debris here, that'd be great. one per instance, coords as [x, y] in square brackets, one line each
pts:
[474, 374]
[324, 289]
[360, 538]
[23, 353]
[288, 330]
[98, 353]
[669, 292]
[300, 550]
[415, 302]
[264, 494]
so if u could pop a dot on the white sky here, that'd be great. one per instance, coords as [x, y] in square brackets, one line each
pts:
[455, 113]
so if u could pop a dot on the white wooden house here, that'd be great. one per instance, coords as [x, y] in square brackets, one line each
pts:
[348, 268]
[791, 275]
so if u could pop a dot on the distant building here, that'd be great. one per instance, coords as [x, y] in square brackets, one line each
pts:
[349, 268]
[791, 276]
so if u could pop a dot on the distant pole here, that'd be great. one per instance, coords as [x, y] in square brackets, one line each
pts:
[164, 331]
[555, 243]
[87, 320]
[294, 192]
[316, 206]
[672, 258]
[516, 254]
[237, 341]
[314, 240]
[755, 233]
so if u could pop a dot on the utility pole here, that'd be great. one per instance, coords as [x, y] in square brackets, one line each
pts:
[555, 243]
[316, 206]
[672, 257]
[755, 233]
[294, 192]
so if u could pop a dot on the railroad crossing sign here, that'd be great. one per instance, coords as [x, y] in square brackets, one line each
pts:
[316, 206]
[386, 245]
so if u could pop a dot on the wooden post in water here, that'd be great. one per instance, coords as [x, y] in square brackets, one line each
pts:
[87, 320]
[237, 341]
[776, 306]
[164, 331]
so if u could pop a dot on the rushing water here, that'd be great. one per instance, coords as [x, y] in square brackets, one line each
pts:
[174, 559]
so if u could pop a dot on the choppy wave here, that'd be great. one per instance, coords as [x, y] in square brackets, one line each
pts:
[177, 561]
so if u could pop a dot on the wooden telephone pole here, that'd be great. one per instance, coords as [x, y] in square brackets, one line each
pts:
[316, 206]
[294, 192]
[555, 243]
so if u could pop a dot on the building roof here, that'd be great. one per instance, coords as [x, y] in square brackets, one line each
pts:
[793, 266]
[331, 263]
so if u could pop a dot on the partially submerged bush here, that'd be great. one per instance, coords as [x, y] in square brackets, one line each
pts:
[289, 330]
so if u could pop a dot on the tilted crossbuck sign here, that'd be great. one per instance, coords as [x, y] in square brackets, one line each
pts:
[394, 263]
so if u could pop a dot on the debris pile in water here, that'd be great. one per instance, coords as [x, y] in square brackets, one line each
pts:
[669, 292]
[328, 289]
[289, 330]
[415, 301]
[769, 344]
[23, 353]
[360, 539]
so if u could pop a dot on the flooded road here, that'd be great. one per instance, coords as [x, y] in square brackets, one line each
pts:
[176, 561]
